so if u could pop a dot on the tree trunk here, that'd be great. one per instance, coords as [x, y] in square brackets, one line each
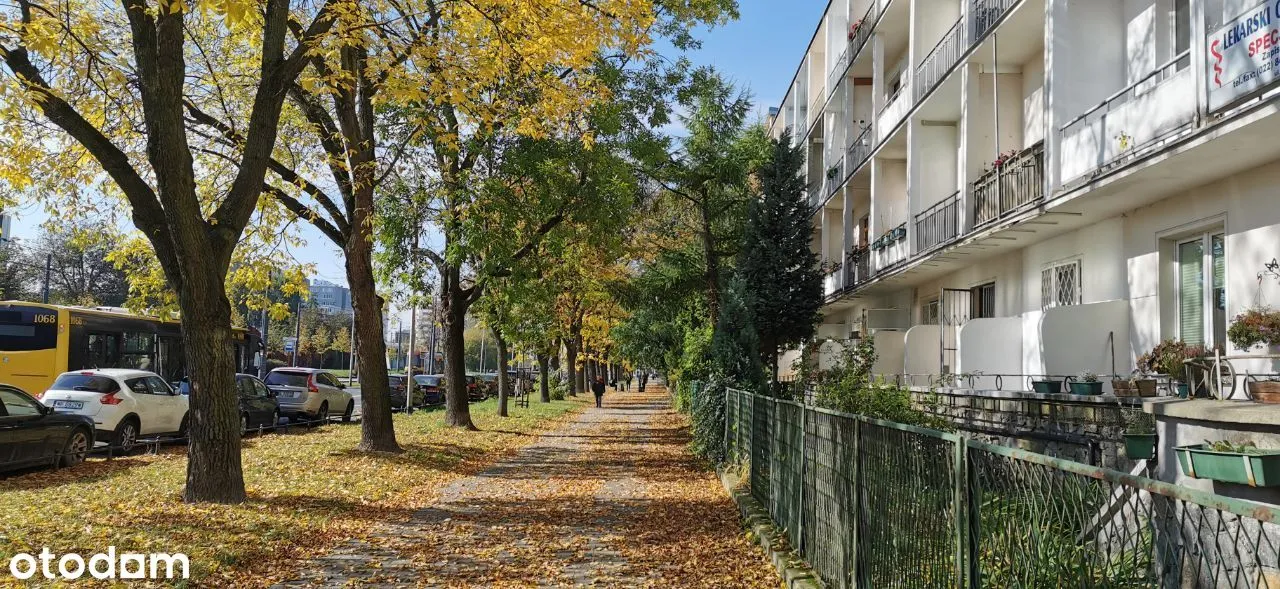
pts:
[504, 383]
[457, 410]
[377, 432]
[574, 374]
[712, 274]
[214, 471]
[544, 366]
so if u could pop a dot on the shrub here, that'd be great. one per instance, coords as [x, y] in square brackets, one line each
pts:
[1169, 357]
[851, 387]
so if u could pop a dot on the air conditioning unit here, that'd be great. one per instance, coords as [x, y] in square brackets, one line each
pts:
[887, 320]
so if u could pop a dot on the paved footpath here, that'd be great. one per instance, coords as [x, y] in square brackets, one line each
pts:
[612, 499]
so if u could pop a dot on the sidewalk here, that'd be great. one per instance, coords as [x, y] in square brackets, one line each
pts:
[612, 499]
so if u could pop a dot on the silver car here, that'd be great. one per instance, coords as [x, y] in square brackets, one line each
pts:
[310, 394]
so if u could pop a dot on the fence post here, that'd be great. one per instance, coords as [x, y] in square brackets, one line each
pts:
[728, 452]
[960, 501]
[804, 439]
[856, 532]
[974, 530]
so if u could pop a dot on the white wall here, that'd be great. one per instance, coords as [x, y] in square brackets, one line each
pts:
[1078, 338]
[983, 115]
[889, 185]
[935, 151]
[923, 350]
[992, 346]
[1033, 103]
[890, 352]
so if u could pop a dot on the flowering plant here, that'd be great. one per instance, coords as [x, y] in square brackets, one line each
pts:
[1004, 158]
[1254, 327]
[853, 28]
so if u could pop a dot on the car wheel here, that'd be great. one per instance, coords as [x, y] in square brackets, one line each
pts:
[322, 416]
[76, 449]
[126, 435]
[275, 420]
[351, 409]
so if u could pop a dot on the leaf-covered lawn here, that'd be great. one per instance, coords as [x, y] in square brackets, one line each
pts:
[308, 490]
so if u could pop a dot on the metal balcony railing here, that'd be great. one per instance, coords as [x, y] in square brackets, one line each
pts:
[858, 270]
[860, 31]
[859, 150]
[835, 176]
[815, 106]
[892, 99]
[814, 191]
[837, 70]
[983, 15]
[1009, 186]
[834, 281]
[939, 224]
[940, 61]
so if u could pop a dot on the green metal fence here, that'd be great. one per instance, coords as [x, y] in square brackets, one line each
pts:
[873, 504]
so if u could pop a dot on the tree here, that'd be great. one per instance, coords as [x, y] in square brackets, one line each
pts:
[117, 83]
[17, 273]
[81, 272]
[776, 258]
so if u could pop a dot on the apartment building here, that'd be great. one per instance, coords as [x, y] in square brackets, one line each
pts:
[1039, 187]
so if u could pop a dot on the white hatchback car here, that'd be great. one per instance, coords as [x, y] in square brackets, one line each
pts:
[124, 404]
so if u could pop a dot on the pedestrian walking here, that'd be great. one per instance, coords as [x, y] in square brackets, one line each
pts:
[626, 381]
[644, 377]
[597, 387]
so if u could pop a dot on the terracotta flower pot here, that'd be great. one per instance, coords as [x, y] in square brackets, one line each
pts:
[1264, 391]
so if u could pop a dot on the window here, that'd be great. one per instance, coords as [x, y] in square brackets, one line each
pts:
[1060, 285]
[138, 386]
[158, 386]
[85, 382]
[1202, 297]
[1181, 27]
[288, 379]
[137, 350]
[260, 389]
[18, 405]
[104, 350]
[982, 301]
[929, 312]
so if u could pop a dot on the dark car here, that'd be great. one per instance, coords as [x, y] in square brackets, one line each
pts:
[488, 383]
[431, 387]
[258, 405]
[32, 434]
[474, 392]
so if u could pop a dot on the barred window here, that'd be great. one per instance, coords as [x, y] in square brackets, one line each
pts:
[1060, 285]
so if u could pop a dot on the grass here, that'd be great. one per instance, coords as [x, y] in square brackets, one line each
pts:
[308, 491]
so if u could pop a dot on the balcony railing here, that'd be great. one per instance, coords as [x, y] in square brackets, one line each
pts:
[859, 150]
[1010, 186]
[833, 282]
[939, 61]
[1155, 106]
[837, 70]
[983, 15]
[814, 191]
[860, 31]
[835, 176]
[939, 224]
[858, 270]
[815, 105]
[890, 249]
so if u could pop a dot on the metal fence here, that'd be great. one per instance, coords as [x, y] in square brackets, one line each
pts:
[870, 503]
[1010, 186]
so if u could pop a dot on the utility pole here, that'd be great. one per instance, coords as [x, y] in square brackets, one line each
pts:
[400, 341]
[266, 323]
[434, 313]
[413, 338]
[297, 334]
[48, 271]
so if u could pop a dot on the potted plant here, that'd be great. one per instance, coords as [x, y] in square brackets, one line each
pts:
[1242, 464]
[1169, 358]
[1046, 387]
[1139, 434]
[1086, 383]
[832, 172]
[1256, 327]
[1139, 384]
[853, 28]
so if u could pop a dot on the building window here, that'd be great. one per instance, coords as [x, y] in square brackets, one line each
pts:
[1181, 28]
[1202, 297]
[982, 301]
[929, 312]
[1060, 285]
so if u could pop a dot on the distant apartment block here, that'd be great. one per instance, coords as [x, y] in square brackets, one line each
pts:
[330, 297]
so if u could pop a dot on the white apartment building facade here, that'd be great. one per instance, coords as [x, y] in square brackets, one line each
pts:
[1040, 187]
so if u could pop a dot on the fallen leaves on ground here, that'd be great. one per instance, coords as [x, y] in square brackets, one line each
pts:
[309, 490]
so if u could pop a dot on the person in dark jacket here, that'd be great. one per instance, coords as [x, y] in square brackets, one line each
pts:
[597, 387]
[644, 378]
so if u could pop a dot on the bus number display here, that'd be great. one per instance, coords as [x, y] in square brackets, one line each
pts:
[45, 319]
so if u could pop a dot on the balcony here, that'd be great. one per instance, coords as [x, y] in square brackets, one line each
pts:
[858, 269]
[833, 281]
[860, 31]
[895, 108]
[814, 191]
[983, 16]
[815, 106]
[890, 249]
[835, 177]
[1014, 183]
[1131, 120]
[859, 150]
[939, 224]
[837, 70]
[940, 61]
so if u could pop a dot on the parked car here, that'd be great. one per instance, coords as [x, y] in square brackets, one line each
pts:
[431, 387]
[310, 394]
[488, 382]
[474, 392]
[399, 388]
[124, 404]
[33, 434]
[258, 405]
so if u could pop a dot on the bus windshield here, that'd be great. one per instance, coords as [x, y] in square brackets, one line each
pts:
[25, 329]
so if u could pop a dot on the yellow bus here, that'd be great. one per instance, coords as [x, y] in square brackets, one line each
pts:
[38, 342]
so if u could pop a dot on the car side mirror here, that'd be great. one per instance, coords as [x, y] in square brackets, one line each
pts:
[342, 387]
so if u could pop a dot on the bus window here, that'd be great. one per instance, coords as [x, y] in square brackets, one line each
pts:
[28, 329]
[104, 350]
[138, 351]
[170, 361]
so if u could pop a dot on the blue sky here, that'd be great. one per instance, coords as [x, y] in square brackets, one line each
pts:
[759, 52]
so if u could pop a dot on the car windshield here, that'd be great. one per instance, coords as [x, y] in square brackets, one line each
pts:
[289, 379]
[85, 382]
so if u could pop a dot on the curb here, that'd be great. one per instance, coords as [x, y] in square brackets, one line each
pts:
[794, 572]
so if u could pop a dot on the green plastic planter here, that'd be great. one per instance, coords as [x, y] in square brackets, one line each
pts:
[1086, 388]
[1046, 387]
[1140, 446]
[1256, 469]
[1183, 390]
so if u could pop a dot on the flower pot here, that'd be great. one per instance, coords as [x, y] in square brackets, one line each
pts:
[1182, 390]
[1046, 387]
[1140, 446]
[1258, 468]
[1124, 387]
[1264, 391]
[1086, 388]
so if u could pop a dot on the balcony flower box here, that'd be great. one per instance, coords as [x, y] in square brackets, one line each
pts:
[853, 29]
[1137, 387]
[1046, 387]
[1229, 463]
[1140, 446]
[1086, 388]
[1264, 391]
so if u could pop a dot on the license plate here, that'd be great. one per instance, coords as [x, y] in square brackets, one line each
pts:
[63, 404]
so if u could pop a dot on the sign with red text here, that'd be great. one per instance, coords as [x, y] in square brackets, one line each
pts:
[1244, 55]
